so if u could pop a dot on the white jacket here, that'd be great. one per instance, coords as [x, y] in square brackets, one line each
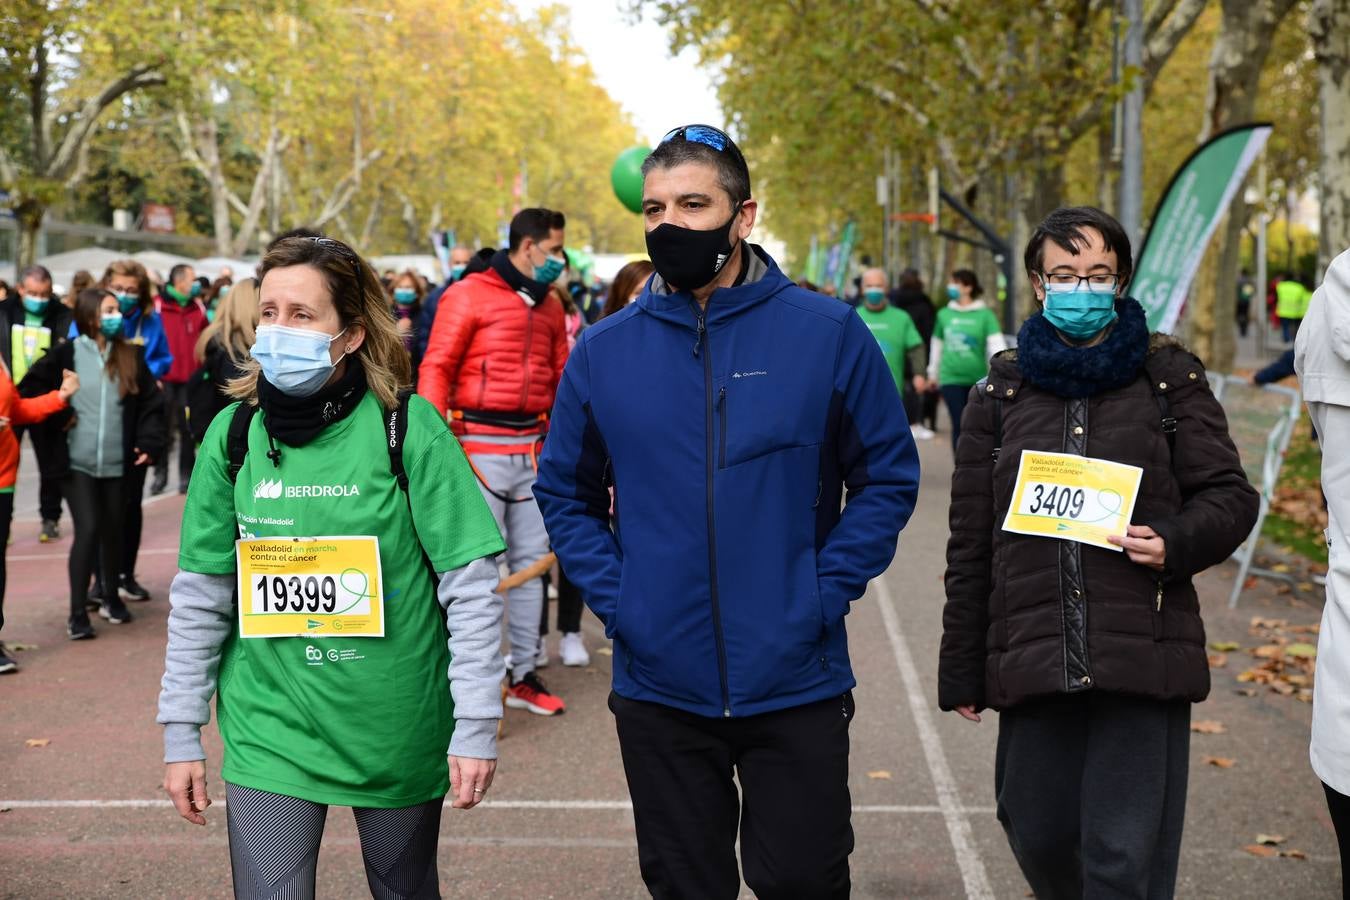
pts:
[1322, 360]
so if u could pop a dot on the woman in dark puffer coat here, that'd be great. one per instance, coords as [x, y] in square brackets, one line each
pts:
[1091, 656]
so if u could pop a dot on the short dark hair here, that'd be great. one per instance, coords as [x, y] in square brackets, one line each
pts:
[39, 273]
[732, 173]
[1065, 227]
[534, 223]
[480, 261]
[177, 271]
[970, 280]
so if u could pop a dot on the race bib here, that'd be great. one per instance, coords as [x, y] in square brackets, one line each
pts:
[310, 587]
[1072, 498]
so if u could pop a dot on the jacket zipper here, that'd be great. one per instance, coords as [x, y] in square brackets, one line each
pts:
[1157, 602]
[525, 358]
[102, 422]
[722, 430]
[482, 386]
[702, 342]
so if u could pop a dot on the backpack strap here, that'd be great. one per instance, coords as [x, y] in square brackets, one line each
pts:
[1169, 421]
[998, 427]
[236, 442]
[396, 430]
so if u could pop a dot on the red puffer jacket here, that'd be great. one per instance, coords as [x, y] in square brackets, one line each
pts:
[489, 351]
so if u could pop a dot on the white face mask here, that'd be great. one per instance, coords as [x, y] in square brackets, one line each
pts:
[294, 360]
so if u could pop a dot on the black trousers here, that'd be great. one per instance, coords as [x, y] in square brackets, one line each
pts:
[176, 412]
[794, 808]
[955, 396]
[6, 514]
[1339, 806]
[49, 487]
[98, 508]
[1091, 792]
[132, 520]
[569, 606]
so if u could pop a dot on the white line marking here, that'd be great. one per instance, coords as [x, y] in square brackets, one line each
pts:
[616, 805]
[949, 801]
[38, 557]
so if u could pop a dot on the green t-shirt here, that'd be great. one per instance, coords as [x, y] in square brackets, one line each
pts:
[369, 726]
[964, 334]
[895, 334]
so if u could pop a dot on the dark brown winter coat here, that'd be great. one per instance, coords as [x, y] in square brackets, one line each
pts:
[1032, 616]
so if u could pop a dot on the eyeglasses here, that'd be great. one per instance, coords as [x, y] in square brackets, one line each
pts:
[341, 249]
[706, 135]
[1073, 281]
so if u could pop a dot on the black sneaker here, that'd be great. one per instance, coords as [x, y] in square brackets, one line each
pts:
[115, 611]
[51, 531]
[95, 598]
[129, 589]
[79, 629]
[7, 662]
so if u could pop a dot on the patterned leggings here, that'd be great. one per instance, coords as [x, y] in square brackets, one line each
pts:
[274, 846]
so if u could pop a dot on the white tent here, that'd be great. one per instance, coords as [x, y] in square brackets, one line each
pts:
[424, 263]
[211, 267]
[161, 262]
[63, 266]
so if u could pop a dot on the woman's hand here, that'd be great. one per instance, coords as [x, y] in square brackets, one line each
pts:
[405, 326]
[70, 383]
[142, 458]
[186, 784]
[1143, 545]
[968, 712]
[469, 780]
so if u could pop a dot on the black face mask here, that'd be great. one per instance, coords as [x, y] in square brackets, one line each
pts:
[689, 259]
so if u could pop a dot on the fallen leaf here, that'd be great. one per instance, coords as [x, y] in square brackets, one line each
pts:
[1272, 839]
[1294, 854]
[1208, 726]
[1224, 762]
[1268, 651]
[1225, 646]
[1282, 568]
[4, 809]
[604, 651]
[18, 646]
[1218, 660]
[1305, 586]
[37, 742]
[1245, 692]
[1303, 651]
[1261, 850]
[880, 775]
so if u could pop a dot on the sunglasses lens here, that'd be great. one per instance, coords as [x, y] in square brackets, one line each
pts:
[700, 134]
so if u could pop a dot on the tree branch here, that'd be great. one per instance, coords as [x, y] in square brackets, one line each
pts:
[1162, 36]
[345, 188]
[938, 13]
[83, 123]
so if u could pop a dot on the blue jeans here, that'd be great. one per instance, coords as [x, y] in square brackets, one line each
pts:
[955, 396]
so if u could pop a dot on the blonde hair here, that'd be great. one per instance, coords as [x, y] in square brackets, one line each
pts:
[235, 322]
[359, 299]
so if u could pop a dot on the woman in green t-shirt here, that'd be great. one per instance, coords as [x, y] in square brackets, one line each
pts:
[330, 683]
[965, 336]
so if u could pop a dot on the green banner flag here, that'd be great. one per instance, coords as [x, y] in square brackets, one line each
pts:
[1185, 220]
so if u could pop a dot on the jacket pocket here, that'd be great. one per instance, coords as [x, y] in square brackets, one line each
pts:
[482, 385]
[722, 428]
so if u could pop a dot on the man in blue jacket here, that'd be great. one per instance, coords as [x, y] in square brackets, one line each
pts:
[729, 409]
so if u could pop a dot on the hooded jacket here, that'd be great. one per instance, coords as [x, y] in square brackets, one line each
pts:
[182, 325]
[730, 434]
[1030, 616]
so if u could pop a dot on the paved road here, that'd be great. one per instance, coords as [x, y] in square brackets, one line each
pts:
[84, 816]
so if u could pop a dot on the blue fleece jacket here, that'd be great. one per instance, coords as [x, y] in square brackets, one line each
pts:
[730, 437]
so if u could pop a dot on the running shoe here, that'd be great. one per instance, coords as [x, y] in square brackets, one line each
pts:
[7, 662]
[95, 598]
[79, 629]
[573, 650]
[129, 589]
[530, 693]
[920, 433]
[115, 611]
[51, 531]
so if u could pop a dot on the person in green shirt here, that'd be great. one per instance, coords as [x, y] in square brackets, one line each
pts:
[966, 335]
[900, 343]
[357, 713]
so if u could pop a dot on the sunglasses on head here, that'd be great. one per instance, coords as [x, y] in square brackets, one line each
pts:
[706, 135]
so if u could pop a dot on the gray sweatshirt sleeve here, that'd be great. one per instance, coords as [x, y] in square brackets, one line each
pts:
[201, 617]
[473, 616]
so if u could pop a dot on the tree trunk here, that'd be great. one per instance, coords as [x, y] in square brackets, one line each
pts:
[1329, 24]
[29, 214]
[1246, 31]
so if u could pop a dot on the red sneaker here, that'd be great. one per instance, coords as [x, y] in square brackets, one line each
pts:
[530, 693]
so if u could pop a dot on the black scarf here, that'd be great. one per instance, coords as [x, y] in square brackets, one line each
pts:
[1066, 371]
[295, 421]
[536, 290]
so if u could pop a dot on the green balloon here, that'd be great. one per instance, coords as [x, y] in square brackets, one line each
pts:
[626, 176]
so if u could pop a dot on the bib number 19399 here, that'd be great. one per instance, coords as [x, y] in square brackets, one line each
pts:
[279, 594]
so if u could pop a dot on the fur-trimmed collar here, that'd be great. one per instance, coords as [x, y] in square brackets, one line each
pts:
[1052, 365]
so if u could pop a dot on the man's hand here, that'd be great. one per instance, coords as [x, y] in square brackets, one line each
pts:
[70, 383]
[968, 712]
[186, 784]
[920, 384]
[1143, 545]
[405, 326]
[469, 780]
[142, 458]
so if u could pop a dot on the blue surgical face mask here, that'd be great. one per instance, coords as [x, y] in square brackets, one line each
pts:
[195, 289]
[457, 272]
[294, 360]
[550, 270]
[953, 292]
[1080, 313]
[36, 305]
[874, 296]
[110, 324]
[128, 302]
[404, 296]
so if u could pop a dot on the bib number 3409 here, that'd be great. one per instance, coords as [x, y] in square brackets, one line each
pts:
[1053, 500]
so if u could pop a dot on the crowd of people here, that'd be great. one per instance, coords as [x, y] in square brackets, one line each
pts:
[712, 458]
